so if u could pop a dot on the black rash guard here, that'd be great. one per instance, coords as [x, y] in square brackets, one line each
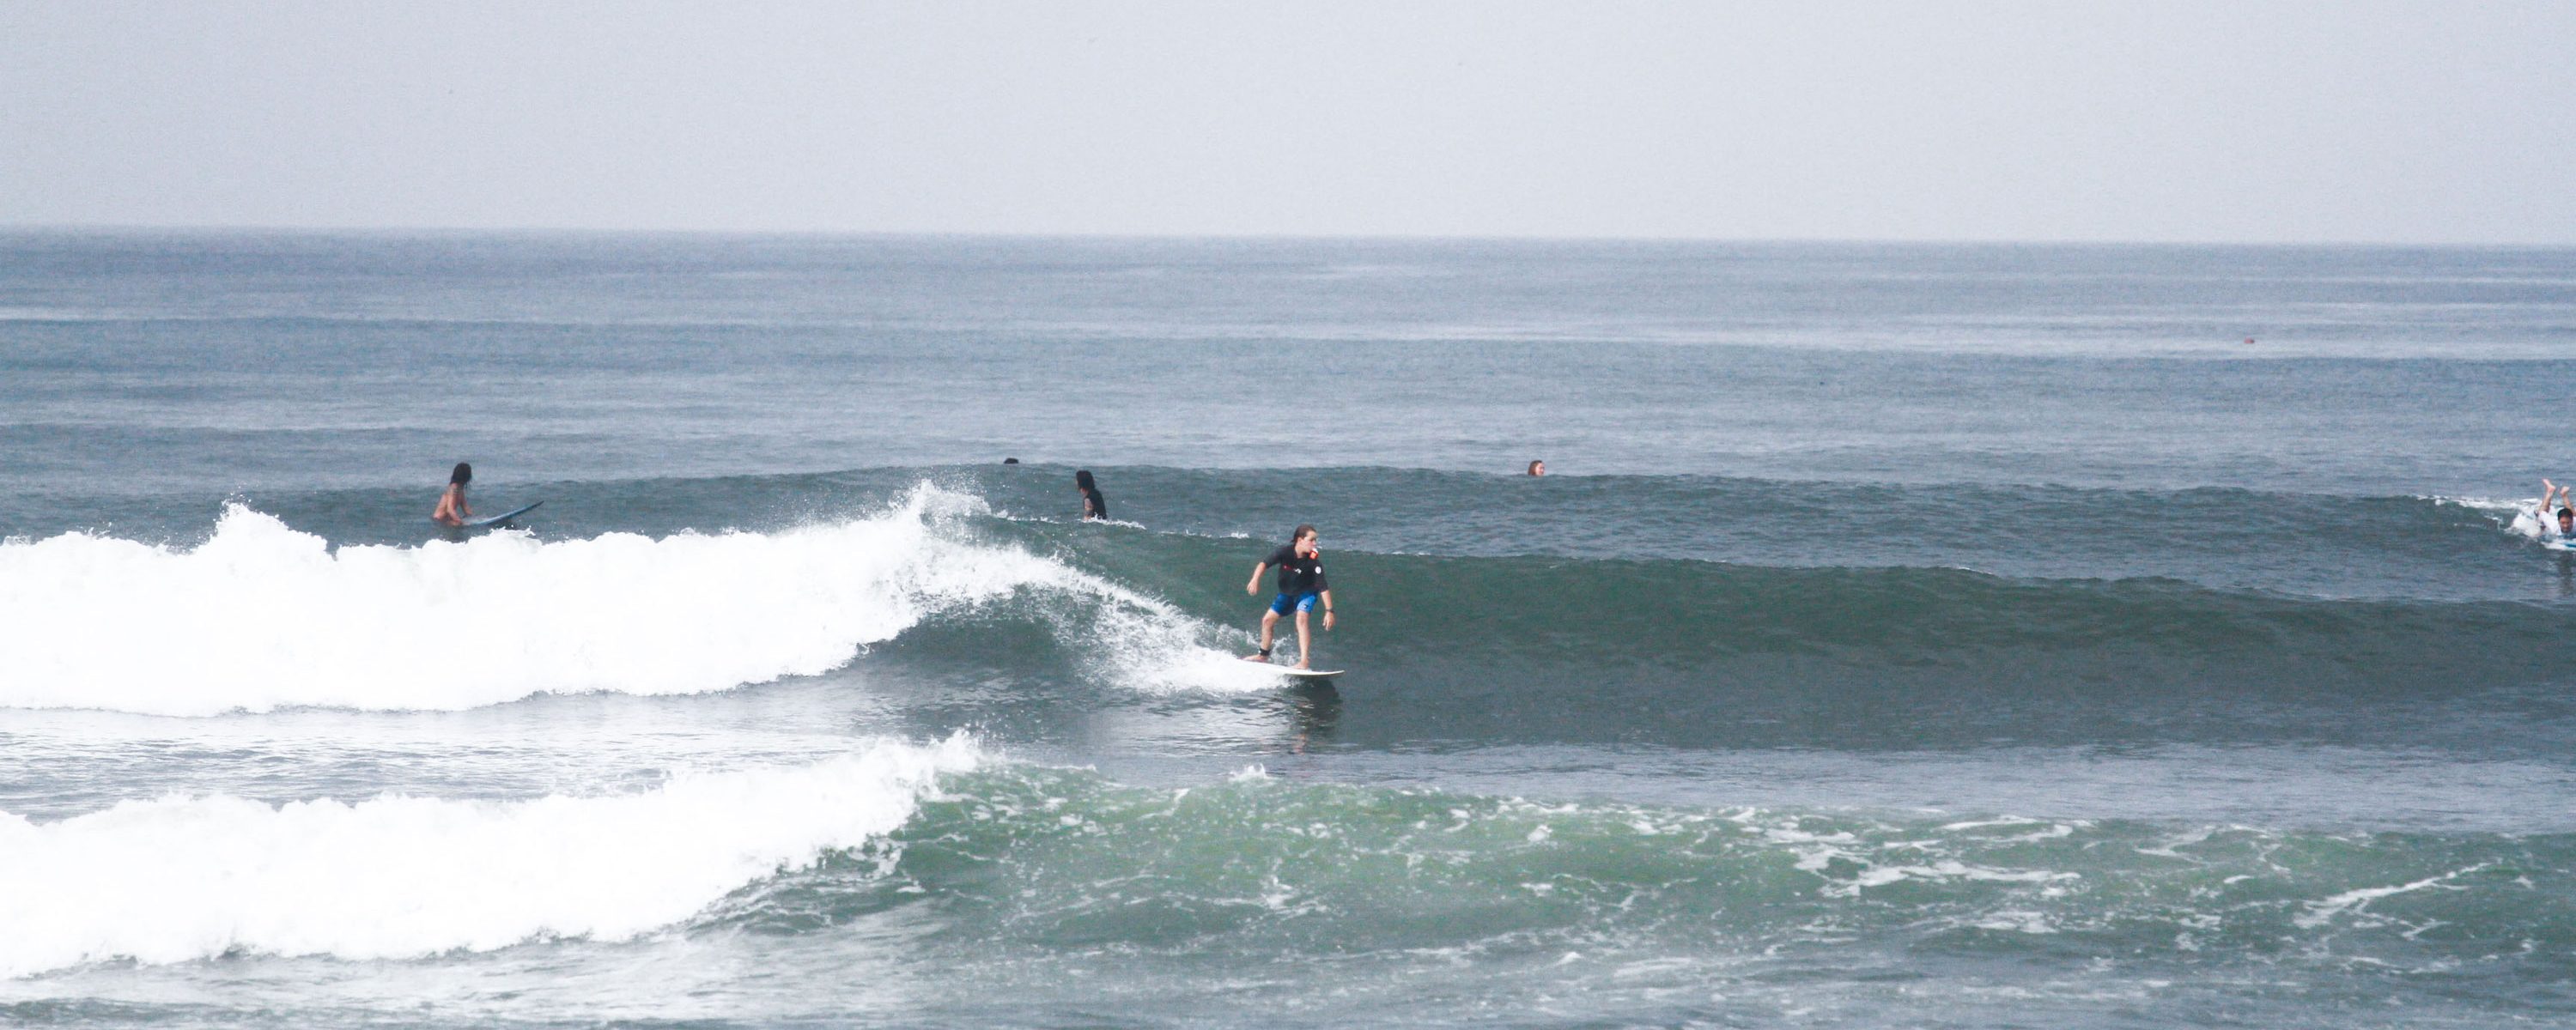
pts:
[1297, 574]
[1094, 505]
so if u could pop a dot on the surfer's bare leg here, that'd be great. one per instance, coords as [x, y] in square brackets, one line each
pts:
[1304, 652]
[1269, 621]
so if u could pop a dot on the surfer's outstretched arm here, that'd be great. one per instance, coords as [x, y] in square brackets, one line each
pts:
[1253, 585]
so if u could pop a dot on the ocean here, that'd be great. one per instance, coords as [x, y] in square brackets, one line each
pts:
[1905, 636]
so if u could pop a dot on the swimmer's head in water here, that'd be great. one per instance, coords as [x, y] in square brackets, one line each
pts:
[1082, 479]
[464, 474]
[1538, 468]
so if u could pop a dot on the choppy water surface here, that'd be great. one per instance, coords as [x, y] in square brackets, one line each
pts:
[1959, 636]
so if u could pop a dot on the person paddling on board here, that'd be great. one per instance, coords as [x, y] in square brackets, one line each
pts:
[1301, 585]
[1094, 506]
[2566, 510]
[452, 509]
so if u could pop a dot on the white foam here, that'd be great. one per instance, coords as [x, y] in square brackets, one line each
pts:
[2324, 911]
[2486, 504]
[2521, 517]
[395, 877]
[262, 616]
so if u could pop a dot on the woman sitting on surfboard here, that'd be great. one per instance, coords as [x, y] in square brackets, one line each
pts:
[1301, 584]
[452, 509]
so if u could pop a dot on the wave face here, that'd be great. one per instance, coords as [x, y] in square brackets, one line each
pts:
[1705, 654]
[1278, 870]
[2325, 546]
[184, 878]
[262, 616]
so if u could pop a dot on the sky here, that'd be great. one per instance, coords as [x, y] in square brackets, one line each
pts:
[2356, 121]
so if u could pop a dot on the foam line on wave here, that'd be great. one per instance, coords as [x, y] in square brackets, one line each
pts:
[182, 878]
[262, 616]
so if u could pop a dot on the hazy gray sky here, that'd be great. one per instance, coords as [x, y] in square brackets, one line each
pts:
[2431, 122]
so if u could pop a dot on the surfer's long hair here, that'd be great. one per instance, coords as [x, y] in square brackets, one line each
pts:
[1083, 479]
[1301, 533]
[464, 474]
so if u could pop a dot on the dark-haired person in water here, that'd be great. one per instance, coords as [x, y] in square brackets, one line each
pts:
[1301, 585]
[2566, 511]
[1093, 505]
[452, 509]
[1538, 468]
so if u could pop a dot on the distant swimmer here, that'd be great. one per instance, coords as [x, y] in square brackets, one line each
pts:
[1301, 584]
[1538, 468]
[1093, 505]
[452, 509]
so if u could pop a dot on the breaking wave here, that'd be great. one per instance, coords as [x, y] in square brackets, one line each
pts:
[183, 878]
[262, 616]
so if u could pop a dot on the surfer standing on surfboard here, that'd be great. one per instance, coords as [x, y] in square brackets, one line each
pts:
[1301, 584]
[452, 509]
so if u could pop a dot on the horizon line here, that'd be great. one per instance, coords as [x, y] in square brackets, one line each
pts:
[110, 228]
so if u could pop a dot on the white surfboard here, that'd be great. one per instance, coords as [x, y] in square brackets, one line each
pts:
[2534, 523]
[1305, 674]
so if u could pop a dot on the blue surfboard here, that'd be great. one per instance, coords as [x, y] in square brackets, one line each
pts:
[494, 520]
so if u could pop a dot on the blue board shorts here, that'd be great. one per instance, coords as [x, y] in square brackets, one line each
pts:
[1285, 603]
